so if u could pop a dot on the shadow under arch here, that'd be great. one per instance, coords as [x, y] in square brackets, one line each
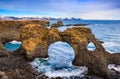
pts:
[61, 54]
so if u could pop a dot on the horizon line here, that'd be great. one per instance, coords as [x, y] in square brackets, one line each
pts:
[55, 17]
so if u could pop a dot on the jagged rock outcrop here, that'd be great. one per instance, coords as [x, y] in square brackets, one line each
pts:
[10, 30]
[33, 37]
[77, 24]
[58, 24]
[78, 37]
[36, 39]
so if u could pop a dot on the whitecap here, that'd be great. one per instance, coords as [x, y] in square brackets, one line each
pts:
[79, 71]
[15, 42]
[110, 44]
[59, 63]
[111, 47]
[41, 65]
[114, 67]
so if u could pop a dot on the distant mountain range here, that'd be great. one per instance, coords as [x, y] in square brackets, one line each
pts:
[35, 18]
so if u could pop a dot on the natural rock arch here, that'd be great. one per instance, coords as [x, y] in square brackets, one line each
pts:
[10, 29]
[36, 39]
[78, 38]
[54, 51]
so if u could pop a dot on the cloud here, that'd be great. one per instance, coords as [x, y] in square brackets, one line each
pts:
[105, 14]
[64, 8]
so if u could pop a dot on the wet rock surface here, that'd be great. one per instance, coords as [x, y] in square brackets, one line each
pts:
[35, 42]
[77, 24]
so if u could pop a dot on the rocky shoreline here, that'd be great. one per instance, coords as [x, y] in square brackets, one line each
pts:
[36, 38]
[14, 65]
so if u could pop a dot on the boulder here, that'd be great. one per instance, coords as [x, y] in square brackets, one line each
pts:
[54, 25]
[77, 24]
[58, 24]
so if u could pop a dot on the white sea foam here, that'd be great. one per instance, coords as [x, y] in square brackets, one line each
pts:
[111, 47]
[110, 44]
[15, 42]
[65, 73]
[113, 67]
[59, 63]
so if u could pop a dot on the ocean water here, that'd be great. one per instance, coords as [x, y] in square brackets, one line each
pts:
[61, 54]
[107, 31]
[12, 46]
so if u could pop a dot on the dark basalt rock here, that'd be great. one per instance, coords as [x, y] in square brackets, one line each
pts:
[3, 53]
[35, 42]
[58, 24]
[101, 42]
[16, 66]
[77, 24]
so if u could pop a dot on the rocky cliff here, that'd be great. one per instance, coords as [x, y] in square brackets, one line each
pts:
[36, 39]
[10, 30]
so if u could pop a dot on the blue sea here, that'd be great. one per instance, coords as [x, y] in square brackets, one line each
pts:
[61, 54]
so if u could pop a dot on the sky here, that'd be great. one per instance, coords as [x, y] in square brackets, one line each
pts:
[86, 9]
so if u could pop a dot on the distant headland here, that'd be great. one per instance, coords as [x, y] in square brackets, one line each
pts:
[35, 18]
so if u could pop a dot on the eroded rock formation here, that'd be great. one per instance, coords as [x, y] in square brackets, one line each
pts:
[58, 24]
[10, 30]
[35, 42]
[78, 37]
[77, 24]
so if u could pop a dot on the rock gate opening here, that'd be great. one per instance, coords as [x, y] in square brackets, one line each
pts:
[61, 54]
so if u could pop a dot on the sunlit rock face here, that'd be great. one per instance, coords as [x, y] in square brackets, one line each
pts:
[78, 37]
[10, 30]
[13, 62]
[36, 40]
[33, 38]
